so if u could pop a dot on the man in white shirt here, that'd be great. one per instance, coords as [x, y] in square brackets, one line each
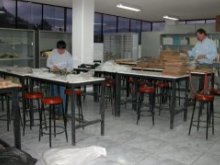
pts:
[60, 59]
[205, 51]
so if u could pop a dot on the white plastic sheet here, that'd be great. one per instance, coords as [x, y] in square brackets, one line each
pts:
[113, 67]
[73, 156]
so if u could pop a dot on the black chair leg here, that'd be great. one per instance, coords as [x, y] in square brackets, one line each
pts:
[207, 121]
[199, 114]
[65, 123]
[50, 118]
[139, 107]
[190, 127]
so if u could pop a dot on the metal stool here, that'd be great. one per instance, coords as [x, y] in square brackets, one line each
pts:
[52, 102]
[151, 92]
[208, 99]
[30, 98]
[78, 94]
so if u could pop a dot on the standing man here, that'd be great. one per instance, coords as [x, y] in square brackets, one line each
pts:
[205, 51]
[60, 59]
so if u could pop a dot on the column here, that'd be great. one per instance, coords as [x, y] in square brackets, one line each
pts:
[83, 31]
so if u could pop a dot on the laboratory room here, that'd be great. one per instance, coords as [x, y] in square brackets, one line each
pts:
[117, 82]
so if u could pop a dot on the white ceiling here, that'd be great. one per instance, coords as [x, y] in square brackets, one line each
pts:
[153, 10]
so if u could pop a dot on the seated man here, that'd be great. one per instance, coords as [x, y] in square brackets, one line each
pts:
[60, 59]
[205, 51]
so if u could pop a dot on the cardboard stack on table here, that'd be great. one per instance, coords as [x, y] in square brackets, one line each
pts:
[8, 84]
[175, 64]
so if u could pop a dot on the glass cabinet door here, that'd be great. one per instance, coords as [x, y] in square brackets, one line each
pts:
[16, 47]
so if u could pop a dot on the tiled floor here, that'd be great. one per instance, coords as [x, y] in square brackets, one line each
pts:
[129, 144]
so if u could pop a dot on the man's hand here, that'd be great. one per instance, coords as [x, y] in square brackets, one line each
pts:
[202, 56]
[54, 68]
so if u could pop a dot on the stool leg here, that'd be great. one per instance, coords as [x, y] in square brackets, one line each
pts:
[152, 106]
[54, 121]
[24, 116]
[50, 116]
[212, 112]
[65, 122]
[8, 113]
[207, 121]
[199, 114]
[139, 107]
[31, 114]
[66, 104]
[194, 107]
[40, 126]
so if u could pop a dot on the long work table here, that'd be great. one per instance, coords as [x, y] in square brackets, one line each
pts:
[70, 82]
[149, 75]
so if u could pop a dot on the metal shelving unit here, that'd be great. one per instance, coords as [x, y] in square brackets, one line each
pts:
[17, 47]
[121, 46]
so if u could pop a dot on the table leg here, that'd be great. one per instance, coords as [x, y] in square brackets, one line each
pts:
[73, 128]
[117, 94]
[213, 80]
[186, 99]
[173, 103]
[15, 108]
[102, 109]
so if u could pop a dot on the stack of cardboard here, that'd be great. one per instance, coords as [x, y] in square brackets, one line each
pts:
[174, 63]
[8, 84]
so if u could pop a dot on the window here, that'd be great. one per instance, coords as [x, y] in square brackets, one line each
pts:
[7, 15]
[69, 20]
[53, 18]
[109, 23]
[146, 26]
[210, 21]
[195, 22]
[29, 15]
[98, 27]
[158, 26]
[123, 24]
[135, 26]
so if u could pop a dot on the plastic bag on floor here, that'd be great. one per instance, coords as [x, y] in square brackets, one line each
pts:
[73, 156]
[14, 156]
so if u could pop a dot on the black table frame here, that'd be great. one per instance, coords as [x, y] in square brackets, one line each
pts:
[173, 82]
[72, 86]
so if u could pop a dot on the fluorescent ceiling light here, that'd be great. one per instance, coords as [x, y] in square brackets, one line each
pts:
[170, 18]
[128, 7]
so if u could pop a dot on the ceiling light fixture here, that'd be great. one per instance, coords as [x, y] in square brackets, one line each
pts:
[126, 7]
[170, 18]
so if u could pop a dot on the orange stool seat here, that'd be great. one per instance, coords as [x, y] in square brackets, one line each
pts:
[52, 100]
[146, 89]
[109, 82]
[162, 85]
[72, 92]
[204, 98]
[34, 95]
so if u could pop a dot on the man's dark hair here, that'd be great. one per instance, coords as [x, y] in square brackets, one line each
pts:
[201, 31]
[61, 44]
